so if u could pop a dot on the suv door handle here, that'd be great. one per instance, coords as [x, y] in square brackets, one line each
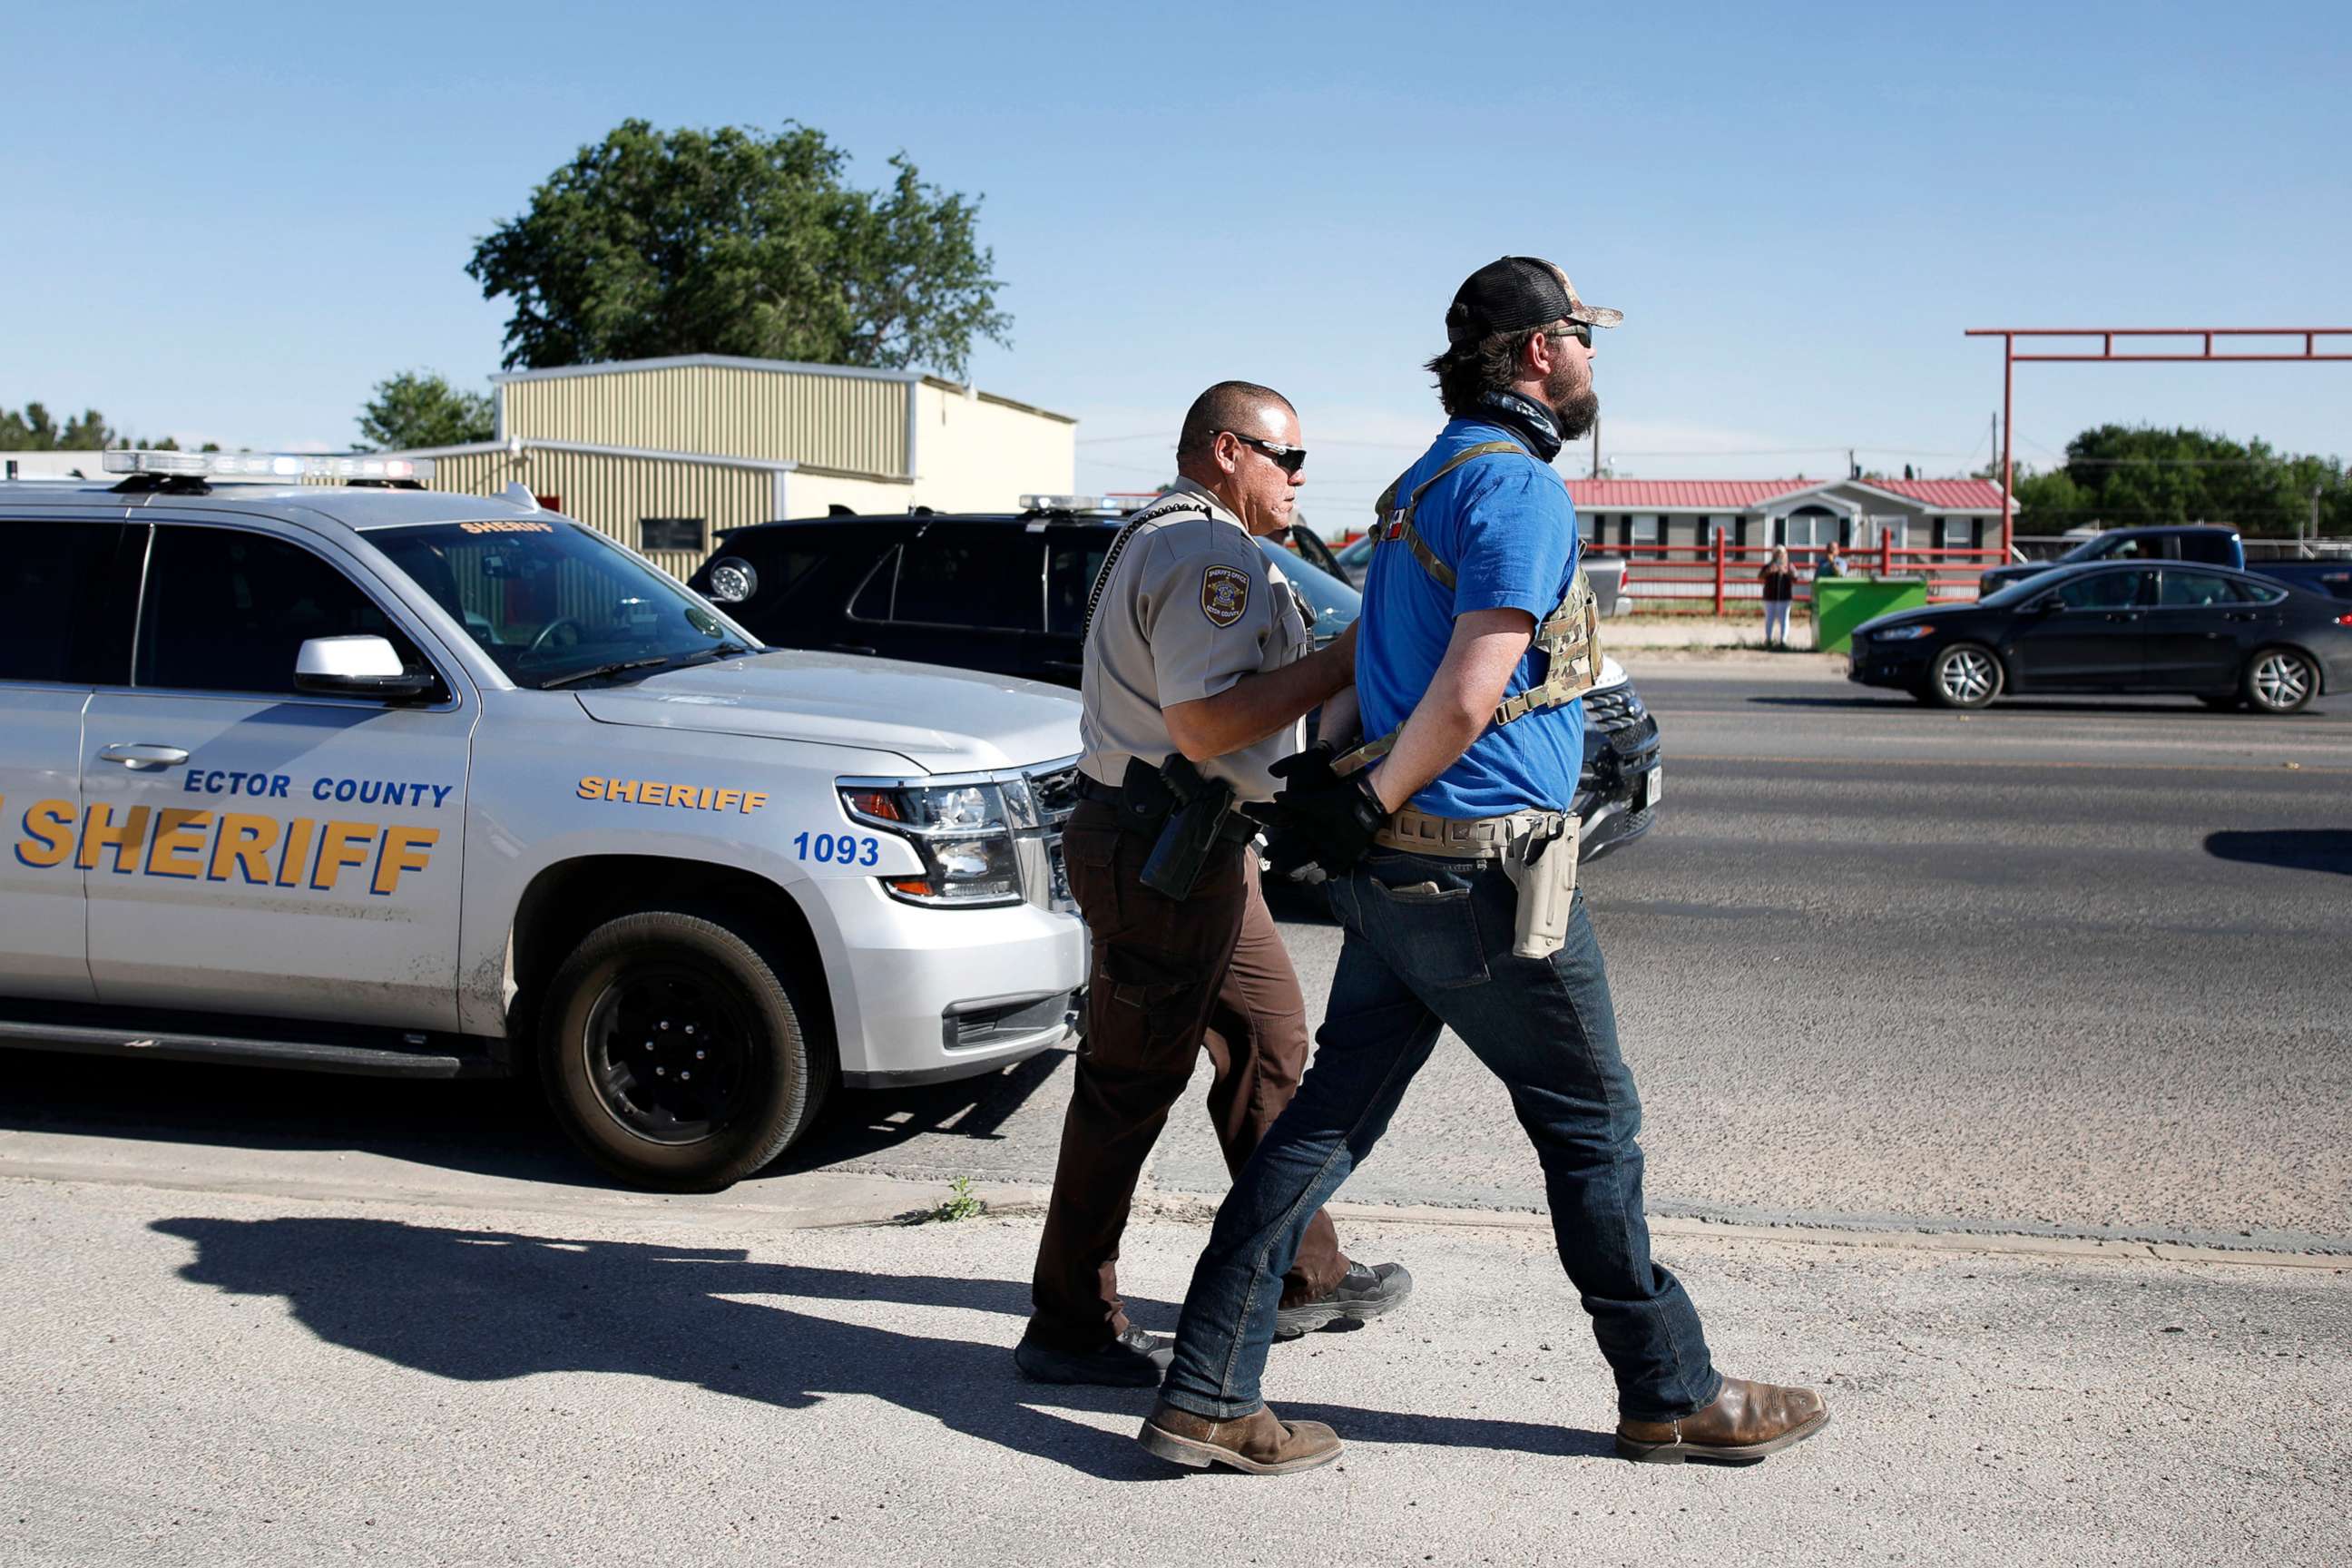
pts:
[142, 758]
[853, 647]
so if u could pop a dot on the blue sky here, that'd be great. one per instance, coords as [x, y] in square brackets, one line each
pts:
[230, 228]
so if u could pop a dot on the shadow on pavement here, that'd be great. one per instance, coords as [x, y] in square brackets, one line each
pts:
[857, 1125]
[492, 1128]
[484, 1306]
[2295, 849]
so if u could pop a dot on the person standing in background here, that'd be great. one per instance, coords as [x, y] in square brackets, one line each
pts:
[1780, 580]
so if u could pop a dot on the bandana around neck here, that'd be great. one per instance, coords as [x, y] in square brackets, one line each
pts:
[1523, 417]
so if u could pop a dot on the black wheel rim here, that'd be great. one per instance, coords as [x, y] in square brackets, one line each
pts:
[670, 1053]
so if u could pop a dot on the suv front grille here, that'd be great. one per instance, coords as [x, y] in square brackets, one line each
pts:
[1052, 794]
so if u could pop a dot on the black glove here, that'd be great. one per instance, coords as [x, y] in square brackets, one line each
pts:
[1327, 820]
[1309, 769]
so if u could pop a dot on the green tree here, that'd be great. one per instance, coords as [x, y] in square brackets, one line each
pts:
[418, 408]
[2117, 477]
[739, 242]
[36, 430]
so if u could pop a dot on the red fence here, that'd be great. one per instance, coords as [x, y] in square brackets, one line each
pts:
[1708, 576]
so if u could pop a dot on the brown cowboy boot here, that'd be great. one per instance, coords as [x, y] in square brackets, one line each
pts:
[1746, 1421]
[1259, 1443]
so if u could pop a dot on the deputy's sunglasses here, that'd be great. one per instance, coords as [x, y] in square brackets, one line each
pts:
[1289, 460]
[1581, 330]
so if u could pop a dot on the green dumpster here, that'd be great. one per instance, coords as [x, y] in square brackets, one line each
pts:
[1841, 604]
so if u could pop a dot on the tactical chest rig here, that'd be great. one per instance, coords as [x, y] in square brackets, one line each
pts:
[1569, 637]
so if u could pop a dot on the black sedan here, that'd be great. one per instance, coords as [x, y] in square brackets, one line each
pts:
[2226, 638]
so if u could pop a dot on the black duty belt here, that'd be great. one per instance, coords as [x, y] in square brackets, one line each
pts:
[1239, 829]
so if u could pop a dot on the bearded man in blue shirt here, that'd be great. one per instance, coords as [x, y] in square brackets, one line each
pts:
[1451, 846]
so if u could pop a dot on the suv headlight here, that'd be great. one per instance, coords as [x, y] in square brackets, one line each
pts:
[961, 831]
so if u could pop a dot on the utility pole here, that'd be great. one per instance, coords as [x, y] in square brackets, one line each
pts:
[1994, 437]
[2314, 523]
[1596, 446]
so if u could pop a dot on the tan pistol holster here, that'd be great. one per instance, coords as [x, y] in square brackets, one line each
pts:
[1568, 637]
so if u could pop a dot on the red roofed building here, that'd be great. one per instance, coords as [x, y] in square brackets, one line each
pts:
[1802, 513]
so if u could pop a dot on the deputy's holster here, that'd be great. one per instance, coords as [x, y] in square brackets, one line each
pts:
[1190, 816]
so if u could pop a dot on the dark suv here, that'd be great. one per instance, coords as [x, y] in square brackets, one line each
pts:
[1007, 593]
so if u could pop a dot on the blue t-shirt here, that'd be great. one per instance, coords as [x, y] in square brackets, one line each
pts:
[1505, 524]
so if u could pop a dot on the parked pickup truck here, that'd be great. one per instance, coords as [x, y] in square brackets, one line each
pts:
[2211, 543]
[374, 780]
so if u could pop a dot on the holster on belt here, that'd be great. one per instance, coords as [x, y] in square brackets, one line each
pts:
[1198, 817]
[1541, 863]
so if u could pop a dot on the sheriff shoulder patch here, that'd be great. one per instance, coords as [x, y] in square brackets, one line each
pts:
[1224, 594]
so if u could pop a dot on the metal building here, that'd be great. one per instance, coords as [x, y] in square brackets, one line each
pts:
[664, 454]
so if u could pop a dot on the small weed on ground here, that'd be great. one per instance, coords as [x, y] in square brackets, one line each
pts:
[960, 1203]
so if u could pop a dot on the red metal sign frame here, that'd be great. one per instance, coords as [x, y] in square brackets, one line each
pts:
[2012, 358]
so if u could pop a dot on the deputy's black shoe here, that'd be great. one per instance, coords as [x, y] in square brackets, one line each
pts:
[1361, 1294]
[1134, 1360]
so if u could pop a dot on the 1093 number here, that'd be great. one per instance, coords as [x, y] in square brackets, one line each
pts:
[838, 848]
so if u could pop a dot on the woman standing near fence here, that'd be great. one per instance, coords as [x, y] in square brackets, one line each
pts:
[1780, 580]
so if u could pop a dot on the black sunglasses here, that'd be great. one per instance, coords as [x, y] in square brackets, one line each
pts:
[1289, 460]
[1581, 330]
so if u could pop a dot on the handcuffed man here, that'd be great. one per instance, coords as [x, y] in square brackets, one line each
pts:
[1197, 674]
[1451, 849]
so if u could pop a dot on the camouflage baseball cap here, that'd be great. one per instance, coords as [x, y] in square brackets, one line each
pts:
[1518, 292]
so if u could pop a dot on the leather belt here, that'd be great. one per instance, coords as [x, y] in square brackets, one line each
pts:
[1463, 837]
[1092, 788]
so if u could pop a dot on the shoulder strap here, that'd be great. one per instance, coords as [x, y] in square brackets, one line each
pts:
[1396, 524]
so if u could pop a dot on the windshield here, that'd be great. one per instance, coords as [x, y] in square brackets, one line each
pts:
[552, 602]
[1334, 604]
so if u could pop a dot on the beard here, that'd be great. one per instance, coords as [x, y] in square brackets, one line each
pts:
[1576, 407]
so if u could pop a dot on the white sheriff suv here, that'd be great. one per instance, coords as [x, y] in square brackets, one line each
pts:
[370, 779]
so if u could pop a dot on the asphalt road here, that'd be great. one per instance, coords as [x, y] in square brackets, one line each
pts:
[2072, 968]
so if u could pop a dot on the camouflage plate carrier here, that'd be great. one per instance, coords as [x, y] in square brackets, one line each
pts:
[1569, 637]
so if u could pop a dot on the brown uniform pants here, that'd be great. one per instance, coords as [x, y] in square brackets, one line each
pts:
[1167, 980]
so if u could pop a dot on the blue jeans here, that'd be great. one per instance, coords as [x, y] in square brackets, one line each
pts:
[1428, 945]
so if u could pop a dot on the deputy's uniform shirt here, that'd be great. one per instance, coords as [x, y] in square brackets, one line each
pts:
[1192, 605]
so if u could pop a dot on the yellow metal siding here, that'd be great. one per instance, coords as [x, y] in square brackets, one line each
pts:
[979, 455]
[855, 423]
[610, 495]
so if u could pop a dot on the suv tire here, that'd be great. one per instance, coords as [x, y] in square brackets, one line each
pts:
[645, 1003]
[2280, 680]
[1965, 675]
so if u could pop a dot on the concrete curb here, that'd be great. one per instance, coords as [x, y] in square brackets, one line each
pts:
[830, 1201]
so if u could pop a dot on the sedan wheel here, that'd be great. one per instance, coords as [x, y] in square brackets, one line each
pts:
[2281, 680]
[1965, 676]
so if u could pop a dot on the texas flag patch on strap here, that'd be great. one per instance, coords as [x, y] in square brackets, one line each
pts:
[1224, 594]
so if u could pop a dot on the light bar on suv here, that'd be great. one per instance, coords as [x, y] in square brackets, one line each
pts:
[269, 466]
[1117, 503]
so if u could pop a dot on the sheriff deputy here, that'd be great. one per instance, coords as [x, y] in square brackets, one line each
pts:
[1195, 644]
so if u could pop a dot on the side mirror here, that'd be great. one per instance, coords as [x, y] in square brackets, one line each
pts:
[356, 667]
[2048, 603]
